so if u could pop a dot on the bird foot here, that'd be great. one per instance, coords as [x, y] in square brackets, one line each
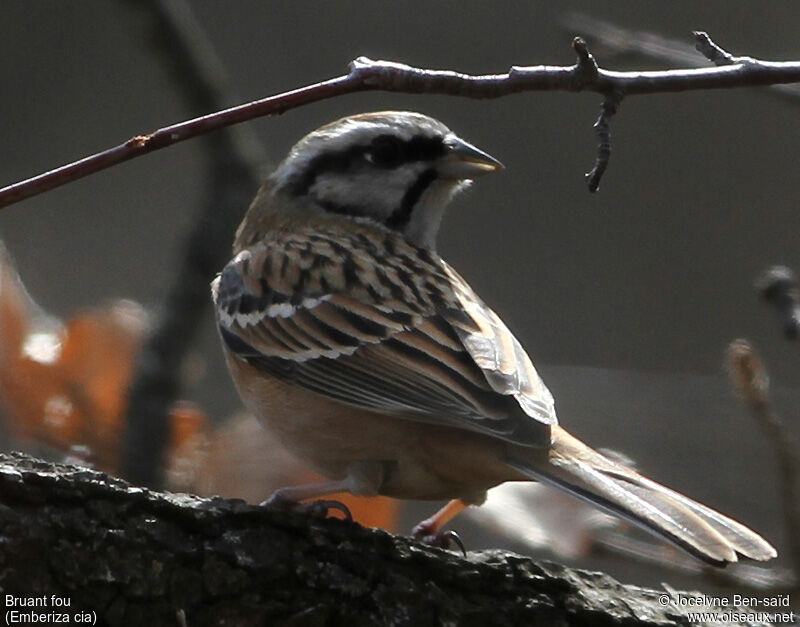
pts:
[317, 509]
[427, 534]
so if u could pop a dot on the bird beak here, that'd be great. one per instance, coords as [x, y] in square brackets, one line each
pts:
[465, 161]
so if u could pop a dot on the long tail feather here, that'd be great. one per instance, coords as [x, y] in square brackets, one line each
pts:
[586, 474]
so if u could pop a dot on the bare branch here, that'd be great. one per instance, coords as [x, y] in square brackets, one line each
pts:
[615, 41]
[603, 130]
[368, 75]
[587, 69]
[750, 379]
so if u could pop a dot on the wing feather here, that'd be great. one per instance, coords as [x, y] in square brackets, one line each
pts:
[388, 328]
[504, 362]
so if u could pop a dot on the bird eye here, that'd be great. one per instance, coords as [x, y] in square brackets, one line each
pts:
[385, 151]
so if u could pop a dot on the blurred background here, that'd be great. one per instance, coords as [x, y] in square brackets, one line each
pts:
[626, 298]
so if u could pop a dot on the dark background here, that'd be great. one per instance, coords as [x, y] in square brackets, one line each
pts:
[652, 274]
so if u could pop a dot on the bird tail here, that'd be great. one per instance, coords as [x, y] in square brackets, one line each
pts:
[575, 468]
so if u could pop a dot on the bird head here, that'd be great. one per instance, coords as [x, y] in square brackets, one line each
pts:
[396, 168]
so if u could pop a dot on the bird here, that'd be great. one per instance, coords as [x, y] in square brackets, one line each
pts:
[371, 359]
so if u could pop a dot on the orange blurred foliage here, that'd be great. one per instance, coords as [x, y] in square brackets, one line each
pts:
[63, 385]
[63, 390]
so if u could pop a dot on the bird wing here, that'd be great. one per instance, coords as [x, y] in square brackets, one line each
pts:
[380, 324]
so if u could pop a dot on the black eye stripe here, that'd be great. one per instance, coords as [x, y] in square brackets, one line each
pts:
[401, 216]
[386, 151]
[422, 148]
[418, 148]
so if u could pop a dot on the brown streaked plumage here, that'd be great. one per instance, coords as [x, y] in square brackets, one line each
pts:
[374, 361]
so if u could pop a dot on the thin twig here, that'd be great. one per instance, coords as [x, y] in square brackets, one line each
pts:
[234, 157]
[368, 75]
[616, 41]
[750, 379]
[587, 69]
[715, 54]
[779, 287]
[603, 130]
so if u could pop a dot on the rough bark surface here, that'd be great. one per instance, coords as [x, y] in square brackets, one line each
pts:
[138, 557]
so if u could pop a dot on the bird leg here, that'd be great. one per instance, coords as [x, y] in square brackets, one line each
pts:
[289, 498]
[429, 531]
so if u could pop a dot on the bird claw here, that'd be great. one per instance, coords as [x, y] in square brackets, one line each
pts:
[439, 539]
[324, 507]
[316, 509]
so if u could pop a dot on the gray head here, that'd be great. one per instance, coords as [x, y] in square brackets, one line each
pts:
[396, 168]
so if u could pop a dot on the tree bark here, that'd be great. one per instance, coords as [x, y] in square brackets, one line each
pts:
[139, 557]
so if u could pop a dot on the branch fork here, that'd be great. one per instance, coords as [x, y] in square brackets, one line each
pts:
[368, 75]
